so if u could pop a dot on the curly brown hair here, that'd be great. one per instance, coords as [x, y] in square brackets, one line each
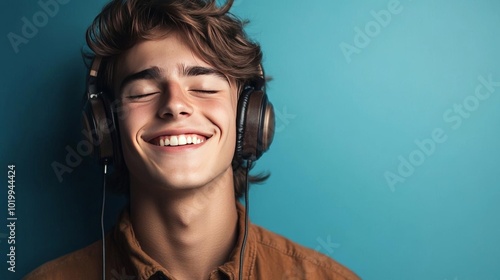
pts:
[210, 31]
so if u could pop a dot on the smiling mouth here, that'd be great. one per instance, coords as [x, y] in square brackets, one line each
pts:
[178, 140]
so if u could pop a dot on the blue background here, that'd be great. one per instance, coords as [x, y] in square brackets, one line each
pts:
[343, 122]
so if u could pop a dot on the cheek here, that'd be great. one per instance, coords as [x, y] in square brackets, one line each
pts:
[126, 140]
[130, 125]
[223, 115]
[221, 112]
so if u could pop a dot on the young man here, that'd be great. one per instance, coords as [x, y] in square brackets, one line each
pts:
[178, 69]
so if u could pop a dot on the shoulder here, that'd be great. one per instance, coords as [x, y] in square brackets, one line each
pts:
[81, 264]
[275, 251]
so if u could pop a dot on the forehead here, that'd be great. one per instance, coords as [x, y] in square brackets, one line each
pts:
[164, 52]
[168, 51]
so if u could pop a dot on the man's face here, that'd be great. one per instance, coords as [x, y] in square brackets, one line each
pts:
[180, 128]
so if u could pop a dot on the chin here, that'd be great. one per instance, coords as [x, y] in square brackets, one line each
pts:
[172, 180]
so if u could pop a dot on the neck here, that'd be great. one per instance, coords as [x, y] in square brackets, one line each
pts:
[188, 232]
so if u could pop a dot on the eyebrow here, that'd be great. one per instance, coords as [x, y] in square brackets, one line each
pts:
[154, 73]
[200, 70]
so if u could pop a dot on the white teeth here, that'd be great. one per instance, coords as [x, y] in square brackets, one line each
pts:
[182, 140]
[174, 141]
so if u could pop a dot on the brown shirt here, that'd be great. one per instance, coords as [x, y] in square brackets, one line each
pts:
[267, 256]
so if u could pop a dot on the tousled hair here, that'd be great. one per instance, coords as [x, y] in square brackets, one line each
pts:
[213, 33]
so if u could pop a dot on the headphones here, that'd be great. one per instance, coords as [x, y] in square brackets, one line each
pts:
[254, 121]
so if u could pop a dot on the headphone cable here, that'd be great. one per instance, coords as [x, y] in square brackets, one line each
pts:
[103, 236]
[247, 208]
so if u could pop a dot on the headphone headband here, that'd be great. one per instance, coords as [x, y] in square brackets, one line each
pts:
[94, 69]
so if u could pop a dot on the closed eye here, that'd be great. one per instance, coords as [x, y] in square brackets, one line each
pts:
[140, 96]
[205, 91]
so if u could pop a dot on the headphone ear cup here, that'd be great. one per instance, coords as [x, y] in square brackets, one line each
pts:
[267, 126]
[99, 124]
[240, 121]
[255, 124]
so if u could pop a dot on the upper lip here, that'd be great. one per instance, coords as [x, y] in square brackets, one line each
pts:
[170, 132]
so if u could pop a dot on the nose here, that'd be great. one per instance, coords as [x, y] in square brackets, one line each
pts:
[175, 103]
